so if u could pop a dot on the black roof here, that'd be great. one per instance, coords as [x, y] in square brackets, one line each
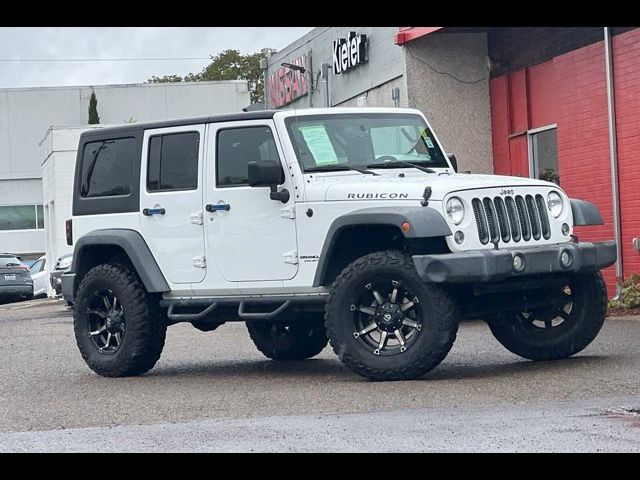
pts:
[230, 117]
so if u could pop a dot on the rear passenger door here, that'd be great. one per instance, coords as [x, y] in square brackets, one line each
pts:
[171, 200]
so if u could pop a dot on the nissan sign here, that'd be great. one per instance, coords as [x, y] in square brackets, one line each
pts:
[286, 85]
[350, 52]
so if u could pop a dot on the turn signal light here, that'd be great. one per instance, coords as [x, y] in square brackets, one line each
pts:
[406, 227]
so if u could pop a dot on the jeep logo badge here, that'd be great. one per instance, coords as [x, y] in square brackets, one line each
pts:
[507, 191]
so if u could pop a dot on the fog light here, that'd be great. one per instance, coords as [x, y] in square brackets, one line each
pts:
[565, 229]
[458, 237]
[518, 262]
[566, 258]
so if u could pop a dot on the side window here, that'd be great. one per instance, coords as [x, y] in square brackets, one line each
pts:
[173, 162]
[107, 167]
[37, 267]
[544, 153]
[236, 147]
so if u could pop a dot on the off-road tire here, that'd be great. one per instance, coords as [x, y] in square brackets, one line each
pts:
[299, 337]
[145, 326]
[439, 319]
[586, 319]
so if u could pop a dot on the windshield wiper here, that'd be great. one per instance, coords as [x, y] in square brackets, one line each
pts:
[337, 168]
[400, 162]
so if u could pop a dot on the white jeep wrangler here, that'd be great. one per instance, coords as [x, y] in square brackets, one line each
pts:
[350, 225]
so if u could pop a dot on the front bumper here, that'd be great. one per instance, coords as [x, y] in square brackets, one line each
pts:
[67, 286]
[56, 280]
[16, 290]
[494, 265]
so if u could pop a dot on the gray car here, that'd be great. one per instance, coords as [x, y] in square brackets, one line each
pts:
[15, 281]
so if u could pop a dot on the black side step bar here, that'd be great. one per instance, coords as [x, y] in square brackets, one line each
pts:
[261, 316]
[189, 317]
[211, 304]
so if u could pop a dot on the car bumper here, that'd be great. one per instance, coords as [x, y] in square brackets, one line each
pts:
[67, 286]
[15, 290]
[493, 265]
[56, 281]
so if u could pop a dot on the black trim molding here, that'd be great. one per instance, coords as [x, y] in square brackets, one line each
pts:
[424, 223]
[136, 249]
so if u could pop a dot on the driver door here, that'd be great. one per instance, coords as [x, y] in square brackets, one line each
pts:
[249, 237]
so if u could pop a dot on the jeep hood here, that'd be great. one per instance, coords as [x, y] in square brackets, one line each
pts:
[353, 186]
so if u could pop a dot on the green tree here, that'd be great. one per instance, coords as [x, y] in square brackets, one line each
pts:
[94, 119]
[229, 65]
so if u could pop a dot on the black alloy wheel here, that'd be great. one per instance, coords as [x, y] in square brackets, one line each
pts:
[106, 322]
[387, 318]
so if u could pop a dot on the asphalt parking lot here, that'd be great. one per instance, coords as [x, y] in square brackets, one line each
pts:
[215, 392]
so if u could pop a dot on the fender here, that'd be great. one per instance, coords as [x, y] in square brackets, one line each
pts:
[585, 213]
[424, 222]
[136, 249]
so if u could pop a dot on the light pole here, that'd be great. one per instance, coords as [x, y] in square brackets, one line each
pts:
[324, 70]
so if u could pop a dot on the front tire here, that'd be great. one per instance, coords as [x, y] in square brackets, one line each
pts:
[118, 326]
[560, 332]
[299, 338]
[384, 322]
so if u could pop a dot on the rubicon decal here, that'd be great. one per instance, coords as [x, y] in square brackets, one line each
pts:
[383, 195]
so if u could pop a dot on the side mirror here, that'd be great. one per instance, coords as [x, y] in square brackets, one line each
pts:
[453, 161]
[265, 174]
[268, 174]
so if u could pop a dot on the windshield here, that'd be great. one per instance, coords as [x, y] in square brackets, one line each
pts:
[339, 141]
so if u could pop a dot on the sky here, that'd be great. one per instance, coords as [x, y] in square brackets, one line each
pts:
[54, 43]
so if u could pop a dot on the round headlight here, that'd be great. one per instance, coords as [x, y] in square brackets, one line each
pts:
[455, 210]
[555, 204]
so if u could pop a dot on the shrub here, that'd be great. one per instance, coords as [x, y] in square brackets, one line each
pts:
[630, 294]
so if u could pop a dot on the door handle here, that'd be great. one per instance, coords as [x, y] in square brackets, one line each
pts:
[153, 211]
[215, 208]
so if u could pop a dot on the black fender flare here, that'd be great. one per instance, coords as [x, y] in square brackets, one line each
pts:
[424, 223]
[585, 213]
[133, 246]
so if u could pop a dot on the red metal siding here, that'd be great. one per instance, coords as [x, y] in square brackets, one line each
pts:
[519, 111]
[541, 90]
[500, 125]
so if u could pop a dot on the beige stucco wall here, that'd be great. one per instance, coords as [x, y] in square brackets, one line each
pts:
[458, 112]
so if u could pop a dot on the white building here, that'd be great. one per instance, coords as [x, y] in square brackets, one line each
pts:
[58, 149]
[26, 115]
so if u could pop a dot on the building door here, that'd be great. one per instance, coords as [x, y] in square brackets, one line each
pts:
[249, 236]
[543, 154]
[171, 188]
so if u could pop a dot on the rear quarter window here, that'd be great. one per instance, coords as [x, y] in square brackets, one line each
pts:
[7, 261]
[108, 167]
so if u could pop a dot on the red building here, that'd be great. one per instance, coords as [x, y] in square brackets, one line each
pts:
[550, 118]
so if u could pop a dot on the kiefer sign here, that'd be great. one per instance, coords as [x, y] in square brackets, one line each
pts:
[348, 53]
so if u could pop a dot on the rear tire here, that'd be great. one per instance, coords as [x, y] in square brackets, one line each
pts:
[385, 336]
[553, 334]
[134, 328]
[299, 338]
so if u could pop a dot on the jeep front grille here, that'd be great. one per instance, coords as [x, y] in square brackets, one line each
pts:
[511, 218]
